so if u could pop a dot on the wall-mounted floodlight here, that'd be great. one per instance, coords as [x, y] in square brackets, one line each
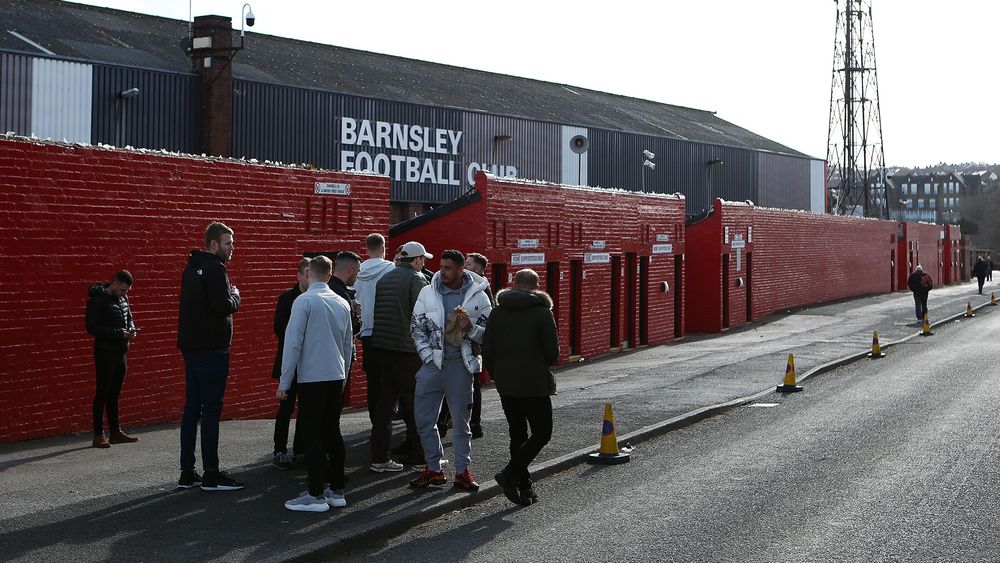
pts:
[649, 155]
[130, 93]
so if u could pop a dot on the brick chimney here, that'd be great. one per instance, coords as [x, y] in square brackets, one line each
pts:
[212, 52]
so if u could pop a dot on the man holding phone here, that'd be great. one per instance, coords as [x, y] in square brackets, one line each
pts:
[109, 321]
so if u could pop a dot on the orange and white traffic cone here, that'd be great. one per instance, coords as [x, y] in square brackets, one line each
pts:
[789, 386]
[609, 453]
[969, 313]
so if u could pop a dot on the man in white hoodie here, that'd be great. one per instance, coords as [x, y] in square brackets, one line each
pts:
[318, 347]
[448, 319]
[372, 270]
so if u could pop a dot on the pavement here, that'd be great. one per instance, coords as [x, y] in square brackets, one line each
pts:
[66, 501]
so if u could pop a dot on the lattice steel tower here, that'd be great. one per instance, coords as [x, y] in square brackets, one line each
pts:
[855, 161]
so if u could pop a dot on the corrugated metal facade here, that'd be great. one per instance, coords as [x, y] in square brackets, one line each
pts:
[61, 100]
[166, 114]
[429, 152]
[15, 93]
[780, 181]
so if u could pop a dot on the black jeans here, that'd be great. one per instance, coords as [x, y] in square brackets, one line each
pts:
[369, 363]
[205, 374]
[522, 413]
[920, 302]
[981, 280]
[397, 373]
[320, 404]
[111, 367]
[281, 422]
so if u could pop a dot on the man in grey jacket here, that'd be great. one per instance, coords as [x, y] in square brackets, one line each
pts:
[318, 346]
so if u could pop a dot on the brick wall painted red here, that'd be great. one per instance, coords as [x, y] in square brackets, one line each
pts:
[795, 259]
[952, 253]
[922, 244]
[71, 216]
[566, 221]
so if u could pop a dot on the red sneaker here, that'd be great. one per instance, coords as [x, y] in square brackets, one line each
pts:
[466, 481]
[429, 478]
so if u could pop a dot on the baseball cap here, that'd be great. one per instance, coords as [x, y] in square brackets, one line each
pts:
[413, 249]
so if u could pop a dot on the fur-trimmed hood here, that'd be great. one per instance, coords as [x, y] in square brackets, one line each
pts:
[512, 298]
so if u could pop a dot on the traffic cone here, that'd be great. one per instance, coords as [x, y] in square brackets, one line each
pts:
[969, 313]
[609, 454]
[876, 349]
[926, 330]
[789, 386]
[993, 299]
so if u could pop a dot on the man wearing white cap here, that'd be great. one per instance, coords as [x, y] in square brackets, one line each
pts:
[395, 295]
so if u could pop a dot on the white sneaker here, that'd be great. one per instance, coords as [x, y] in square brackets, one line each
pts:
[335, 498]
[307, 503]
[386, 466]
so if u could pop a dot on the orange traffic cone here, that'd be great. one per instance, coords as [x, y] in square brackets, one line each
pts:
[926, 330]
[789, 386]
[876, 349]
[993, 299]
[609, 454]
[969, 313]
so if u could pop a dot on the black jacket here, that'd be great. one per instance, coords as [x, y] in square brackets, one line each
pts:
[520, 344]
[205, 320]
[920, 282]
[282, 313]
[395, 295]
[341, 289]
[980, 269]
[108, 319]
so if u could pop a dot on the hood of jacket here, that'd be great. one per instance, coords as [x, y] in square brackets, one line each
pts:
[516, 299]
[200, 257]
[98, 289]
[474, 281]
[373, 268]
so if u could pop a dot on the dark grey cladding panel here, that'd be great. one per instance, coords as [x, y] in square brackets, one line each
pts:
[166, 114]
[510, 147]
[15, 93]
[783, 181]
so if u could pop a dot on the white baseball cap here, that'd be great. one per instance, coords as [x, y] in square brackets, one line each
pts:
[413, 249]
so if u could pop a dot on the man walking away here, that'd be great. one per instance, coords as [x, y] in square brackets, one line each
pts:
[318, 347]
[371, 272]
[449, 318]
[979, 272]
[109, 321]
[282, 312]
[520, 344]
[204, 334]
[920, 283]
[395, 295]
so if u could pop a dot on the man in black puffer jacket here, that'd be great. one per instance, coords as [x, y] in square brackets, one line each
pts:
[520, 344]
[204, 333]
[109, 320]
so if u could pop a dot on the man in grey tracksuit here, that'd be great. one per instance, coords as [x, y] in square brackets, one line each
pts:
[448, 323]
[318, 346]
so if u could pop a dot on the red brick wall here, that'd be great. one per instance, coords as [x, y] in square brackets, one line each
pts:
[924, 241]
[72, 216]
[565, 222]
[952, 260]
[797, 259]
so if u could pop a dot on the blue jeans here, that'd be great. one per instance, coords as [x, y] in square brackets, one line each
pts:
[205, 374]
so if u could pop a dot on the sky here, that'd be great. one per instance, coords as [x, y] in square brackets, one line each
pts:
[765, 65]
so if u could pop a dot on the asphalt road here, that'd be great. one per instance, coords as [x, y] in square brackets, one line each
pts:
[888, 460]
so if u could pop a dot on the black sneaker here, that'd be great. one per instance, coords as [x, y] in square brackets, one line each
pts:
[477, 430]
[510, 490]
[189, 479]
[281, 460]
[220, 481]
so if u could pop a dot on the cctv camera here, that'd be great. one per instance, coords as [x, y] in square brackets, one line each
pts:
[250, 19]
[648, 154]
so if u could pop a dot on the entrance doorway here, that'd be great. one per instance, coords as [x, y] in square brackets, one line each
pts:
[725, 291]
[644, 300]
[616, 290]
[575, 302]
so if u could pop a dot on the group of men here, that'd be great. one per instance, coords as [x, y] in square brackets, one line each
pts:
[423, 336]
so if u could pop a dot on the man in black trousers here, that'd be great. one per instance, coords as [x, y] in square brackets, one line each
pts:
[109, 321]
[281, 459]
[520, 344]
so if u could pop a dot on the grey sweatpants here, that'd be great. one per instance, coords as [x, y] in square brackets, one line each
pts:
[454, 382]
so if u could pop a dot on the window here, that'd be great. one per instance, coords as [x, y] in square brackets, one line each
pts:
[927, 189]
[909, 204]
[933, 204]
